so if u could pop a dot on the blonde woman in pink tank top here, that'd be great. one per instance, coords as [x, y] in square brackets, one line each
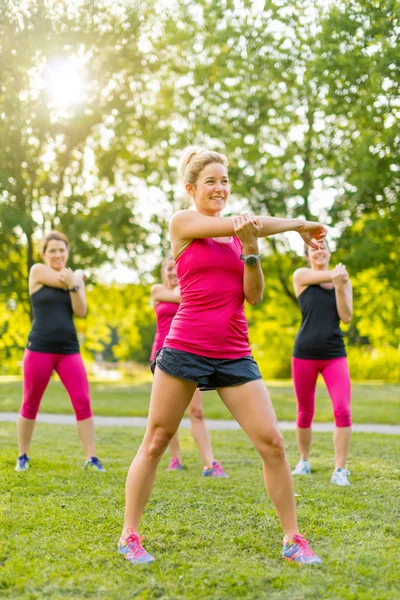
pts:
[166, 299]
[218, 268]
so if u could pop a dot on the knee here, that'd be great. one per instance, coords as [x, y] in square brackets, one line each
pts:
[82, 408]
[157, 443]
[29, 408]
[195, 413]
[304, 419]
[272, 446]
[343, 418]
[28, 412]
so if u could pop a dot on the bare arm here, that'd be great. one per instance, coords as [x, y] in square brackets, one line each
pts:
[305, 276]
[187, 225]
[344, 293]
[78, 298]
[41, 275]
[160, 293]
[247, 230]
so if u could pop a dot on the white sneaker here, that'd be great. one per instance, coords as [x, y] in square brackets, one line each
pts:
[340, 477]
[302, 468]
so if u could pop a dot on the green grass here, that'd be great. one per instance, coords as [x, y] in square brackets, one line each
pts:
[213, 539]
[371, 402]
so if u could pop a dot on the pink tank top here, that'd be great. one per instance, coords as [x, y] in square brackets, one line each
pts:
[165, 312]
[210, 320]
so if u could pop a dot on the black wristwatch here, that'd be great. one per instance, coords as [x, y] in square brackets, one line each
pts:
[74, 289]
[250, 259]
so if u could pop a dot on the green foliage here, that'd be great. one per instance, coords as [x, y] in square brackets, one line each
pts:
[14, 328]
[303, 97]
[377, 364]
[124, 309]
[212, 539]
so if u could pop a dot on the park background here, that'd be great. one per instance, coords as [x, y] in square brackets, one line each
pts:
[97, 101]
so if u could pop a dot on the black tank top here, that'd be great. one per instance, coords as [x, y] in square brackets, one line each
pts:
[53, 330]
[319, 336]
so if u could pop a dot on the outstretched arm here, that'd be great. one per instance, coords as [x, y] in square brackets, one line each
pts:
[187, 225]
[310, 231]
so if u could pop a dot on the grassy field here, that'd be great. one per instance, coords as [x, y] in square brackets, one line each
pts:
[213, 539]
[371, 402]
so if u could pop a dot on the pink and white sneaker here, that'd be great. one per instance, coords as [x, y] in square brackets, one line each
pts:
[131, 547]
[175, 465]
[214, 471]
[298, 550]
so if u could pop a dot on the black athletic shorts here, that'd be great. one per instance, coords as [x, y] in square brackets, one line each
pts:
[208, 373]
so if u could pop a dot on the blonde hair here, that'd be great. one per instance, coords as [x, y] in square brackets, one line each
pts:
[53, 235]
[193, 161]
[163, 265]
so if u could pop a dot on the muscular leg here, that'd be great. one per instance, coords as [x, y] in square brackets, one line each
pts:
[170, 397]
[337, 378]
[199, 428]
[251, 406]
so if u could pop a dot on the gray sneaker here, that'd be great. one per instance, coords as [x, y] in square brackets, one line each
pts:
[340, 477]
[302, 468]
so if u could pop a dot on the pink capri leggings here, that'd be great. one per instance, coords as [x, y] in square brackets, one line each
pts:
[335, 372]
[38, 367]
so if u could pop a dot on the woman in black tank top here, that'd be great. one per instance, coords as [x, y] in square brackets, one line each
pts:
[325, 298]
[57, 293]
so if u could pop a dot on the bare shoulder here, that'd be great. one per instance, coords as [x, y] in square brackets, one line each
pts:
[37, 269]
[181, 216]
[35, 277]
[157, 287]
[299, 273]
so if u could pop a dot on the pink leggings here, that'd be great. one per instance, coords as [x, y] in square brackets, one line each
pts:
[335, 372]
[38, 367]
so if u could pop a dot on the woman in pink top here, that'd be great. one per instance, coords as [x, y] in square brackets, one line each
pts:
[218, 267]
[166, 299]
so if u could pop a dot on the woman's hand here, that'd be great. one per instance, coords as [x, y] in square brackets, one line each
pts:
[247, 230]
[339, 276]
[313, 234]
[67, 277]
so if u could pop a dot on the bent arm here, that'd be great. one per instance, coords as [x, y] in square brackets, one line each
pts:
[43, 275]
[344, 301]
[160, 293]
[253, 283]
[78, 299]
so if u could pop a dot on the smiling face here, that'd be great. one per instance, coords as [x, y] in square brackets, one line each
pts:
[169, 274]
[55, 255]
[211, 190]
[319, 259]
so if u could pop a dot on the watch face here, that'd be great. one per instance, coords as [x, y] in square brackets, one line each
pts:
[251, 260]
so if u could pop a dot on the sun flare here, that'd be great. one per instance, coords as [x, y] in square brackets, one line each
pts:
[64, 82]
